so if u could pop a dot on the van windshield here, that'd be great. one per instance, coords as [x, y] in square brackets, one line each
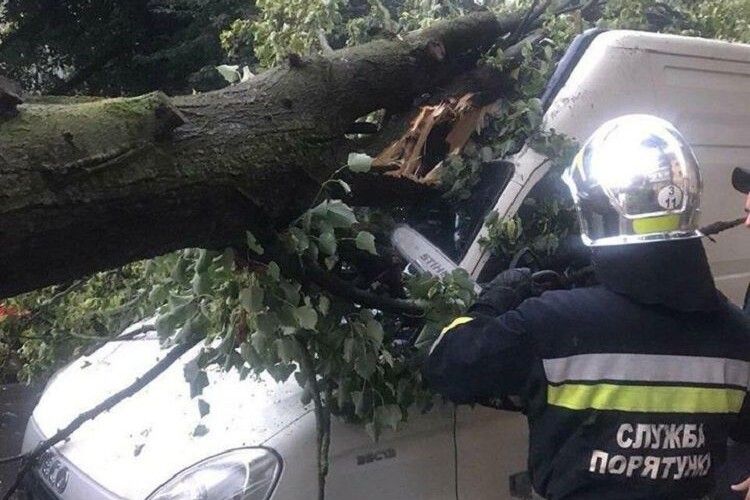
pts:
[452, 226]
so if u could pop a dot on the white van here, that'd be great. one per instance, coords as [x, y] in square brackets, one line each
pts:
[262, 445]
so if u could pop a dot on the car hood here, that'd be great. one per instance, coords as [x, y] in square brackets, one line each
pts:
[148, 438]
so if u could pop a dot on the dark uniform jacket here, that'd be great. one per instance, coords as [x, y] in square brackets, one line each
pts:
[631, 388]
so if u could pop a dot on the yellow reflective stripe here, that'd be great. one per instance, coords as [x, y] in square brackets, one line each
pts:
[657, 224]
[456, 322]
[646, 398]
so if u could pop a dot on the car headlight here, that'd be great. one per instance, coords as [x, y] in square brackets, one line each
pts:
[241, 474]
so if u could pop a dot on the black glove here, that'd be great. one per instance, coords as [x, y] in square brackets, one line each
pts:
[505, 292]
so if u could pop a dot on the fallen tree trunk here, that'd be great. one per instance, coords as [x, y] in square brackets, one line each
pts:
[90, 184]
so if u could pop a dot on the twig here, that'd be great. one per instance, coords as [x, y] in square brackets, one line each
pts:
[148, 327]
[16, 458]
[529, 20]
[44, 305]
[719, 226]
[515, 51]
[343, 288]
[30, 458]
[322, 420]
[522, 25]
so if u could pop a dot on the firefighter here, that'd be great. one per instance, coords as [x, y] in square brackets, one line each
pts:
[631, 388]
[741, 182]
[740, 454]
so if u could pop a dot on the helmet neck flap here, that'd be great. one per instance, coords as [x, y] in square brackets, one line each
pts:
[674, 274]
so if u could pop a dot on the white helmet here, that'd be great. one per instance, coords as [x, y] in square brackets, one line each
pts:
[636, 180]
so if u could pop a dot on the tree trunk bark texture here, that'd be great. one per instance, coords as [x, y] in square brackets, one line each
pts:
[88, 184]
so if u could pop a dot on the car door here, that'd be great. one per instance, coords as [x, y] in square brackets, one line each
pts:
[415, 463]
[492, 446]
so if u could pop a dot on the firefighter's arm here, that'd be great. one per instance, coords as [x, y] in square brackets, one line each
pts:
[486, 353]
[479, 357]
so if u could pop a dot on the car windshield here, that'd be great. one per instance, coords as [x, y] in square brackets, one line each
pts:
[453, 226]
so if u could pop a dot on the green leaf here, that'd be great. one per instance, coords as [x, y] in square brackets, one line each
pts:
[461, 278]
[330, 262]
[299, 239]
[246, 74]
[359, 162]
[273, 271]
[358, 398]
[246, 351]
[387, 358]
[313, 252]
[251, 299]
[201, 283]
[492, 217]
[227, 259]
[185, 332]
[323, 226]
[307, 317]
[287, 349]
[374, 331]
[327, 243]
[252, 243]
[259, 341]
[281, 372]
[178, 271]
[366, 241]
[324, 305]
[306, 395]
[349, 346]
[230, 72]
[340, 214]
[158, 294]
[180, 310]
[267, 323]
[287, 320]
[387, 416]
[342, 394]
[165, 325]
[301, 379]
[365, 365]
[176, 301]
[204, 261]
[291, 292]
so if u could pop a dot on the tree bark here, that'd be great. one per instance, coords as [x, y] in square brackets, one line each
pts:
[90, 184]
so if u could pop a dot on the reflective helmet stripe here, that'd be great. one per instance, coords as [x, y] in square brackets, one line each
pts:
[663, 223]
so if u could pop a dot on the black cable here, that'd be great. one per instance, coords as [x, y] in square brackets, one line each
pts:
[455, 454]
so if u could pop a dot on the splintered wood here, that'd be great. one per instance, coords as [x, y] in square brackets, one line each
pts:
[436, 132]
